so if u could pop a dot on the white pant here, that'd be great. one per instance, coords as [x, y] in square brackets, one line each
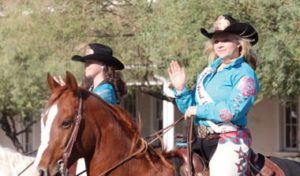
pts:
[231, 155]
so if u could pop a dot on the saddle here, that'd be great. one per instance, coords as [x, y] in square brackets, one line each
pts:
[199, 165]
[260, 165]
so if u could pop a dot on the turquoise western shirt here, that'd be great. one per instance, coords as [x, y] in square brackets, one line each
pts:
[106, 91]
[233, 91]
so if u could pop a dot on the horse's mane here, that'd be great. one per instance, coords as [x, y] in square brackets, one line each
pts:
[128, 125]
[122, 116]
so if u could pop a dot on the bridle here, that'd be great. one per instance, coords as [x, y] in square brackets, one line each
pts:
[62, 163]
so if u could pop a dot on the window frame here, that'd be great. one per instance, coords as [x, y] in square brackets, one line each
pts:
[287, 123]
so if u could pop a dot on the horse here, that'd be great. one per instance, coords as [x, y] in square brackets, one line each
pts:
[106, 136]
[77, 123]
[13, 163]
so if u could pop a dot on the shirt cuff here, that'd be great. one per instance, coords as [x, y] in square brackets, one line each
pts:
[178, 94]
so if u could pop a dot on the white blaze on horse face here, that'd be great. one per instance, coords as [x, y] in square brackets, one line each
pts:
[45, 132]
[43, 115]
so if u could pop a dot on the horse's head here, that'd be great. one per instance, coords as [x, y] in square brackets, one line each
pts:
[57, 124]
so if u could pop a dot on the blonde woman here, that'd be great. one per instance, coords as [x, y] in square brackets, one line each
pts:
[222, 97]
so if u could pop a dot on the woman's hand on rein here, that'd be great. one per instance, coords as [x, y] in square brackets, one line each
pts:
[176, 75]
[191, 111]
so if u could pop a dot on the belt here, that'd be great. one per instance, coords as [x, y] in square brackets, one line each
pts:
[206, 132]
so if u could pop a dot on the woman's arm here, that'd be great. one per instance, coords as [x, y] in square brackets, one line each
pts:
[184, 99]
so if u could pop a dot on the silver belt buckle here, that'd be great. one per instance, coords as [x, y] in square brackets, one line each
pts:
[203, 131]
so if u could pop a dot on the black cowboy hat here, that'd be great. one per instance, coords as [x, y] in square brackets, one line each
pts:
[102, 53]
[227, 24]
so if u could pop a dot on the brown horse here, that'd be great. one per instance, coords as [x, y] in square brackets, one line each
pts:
[107, 136]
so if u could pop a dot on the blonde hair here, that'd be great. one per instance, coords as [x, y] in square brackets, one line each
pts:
[246, 51]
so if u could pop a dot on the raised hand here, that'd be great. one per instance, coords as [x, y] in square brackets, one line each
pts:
[176, 75]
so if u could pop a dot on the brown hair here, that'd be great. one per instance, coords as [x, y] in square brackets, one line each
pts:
[112, 76]
[246, 51]
[115, 78]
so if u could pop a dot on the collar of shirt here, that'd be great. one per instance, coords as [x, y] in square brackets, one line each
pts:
[101, 83]
[217, 62]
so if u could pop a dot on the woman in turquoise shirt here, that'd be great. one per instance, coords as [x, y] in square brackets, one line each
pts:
[222, 97]
[100, 75]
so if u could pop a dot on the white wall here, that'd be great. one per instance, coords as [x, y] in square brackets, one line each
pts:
[263, 121]
[4, 140]
[143, 108]
[35, 138]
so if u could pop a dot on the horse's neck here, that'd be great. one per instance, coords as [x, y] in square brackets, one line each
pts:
[113, 143]
[112, 135]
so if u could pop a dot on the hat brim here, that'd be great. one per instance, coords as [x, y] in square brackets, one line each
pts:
[244, 30]
[107, 59]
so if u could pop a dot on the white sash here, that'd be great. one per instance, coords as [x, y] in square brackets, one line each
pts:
[202, 98]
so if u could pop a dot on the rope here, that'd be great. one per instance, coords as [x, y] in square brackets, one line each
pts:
[26, 168]
[161, 132]
[189, 146]
[142, 150]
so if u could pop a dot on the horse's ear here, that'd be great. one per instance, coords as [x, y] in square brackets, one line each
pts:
[52, 83]
[71, 81]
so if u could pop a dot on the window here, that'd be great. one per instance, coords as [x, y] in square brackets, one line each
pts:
[159, 120]
[291, 124]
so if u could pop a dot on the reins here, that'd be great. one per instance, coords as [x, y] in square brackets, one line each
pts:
[189, 146]
[143, 149]
[161, 132]
[30, 164]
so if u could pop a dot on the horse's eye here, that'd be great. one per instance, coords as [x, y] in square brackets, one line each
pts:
[67, 123]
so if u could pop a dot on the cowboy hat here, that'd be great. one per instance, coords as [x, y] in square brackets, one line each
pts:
[101, 53]
[227, 24]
